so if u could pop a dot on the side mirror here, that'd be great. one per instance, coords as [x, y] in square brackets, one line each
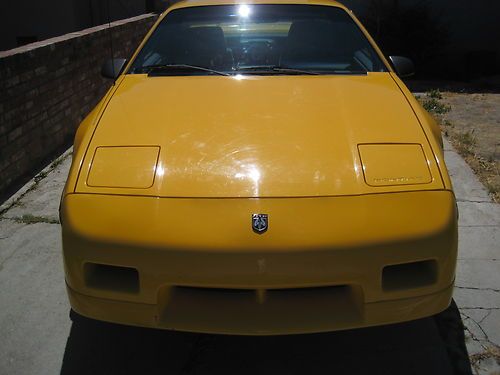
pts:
[112, 68]
[403, 66]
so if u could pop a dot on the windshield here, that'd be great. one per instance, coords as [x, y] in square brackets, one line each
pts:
[257, 39]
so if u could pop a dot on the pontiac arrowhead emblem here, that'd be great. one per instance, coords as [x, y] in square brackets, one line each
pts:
[260, 223]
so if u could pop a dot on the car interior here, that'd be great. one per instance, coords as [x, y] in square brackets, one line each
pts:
[309, 44]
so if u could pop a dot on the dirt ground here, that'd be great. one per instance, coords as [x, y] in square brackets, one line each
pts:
[479, 113]
[471, 121]
[474, 122]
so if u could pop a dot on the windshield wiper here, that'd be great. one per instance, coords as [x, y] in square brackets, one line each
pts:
[347, 72]
[163, 68]
[274, 69]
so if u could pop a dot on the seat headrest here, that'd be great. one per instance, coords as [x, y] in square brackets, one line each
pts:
[308, 40]
[309, 31]
[205, 46]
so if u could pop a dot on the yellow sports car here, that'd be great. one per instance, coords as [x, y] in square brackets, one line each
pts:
[258, 167]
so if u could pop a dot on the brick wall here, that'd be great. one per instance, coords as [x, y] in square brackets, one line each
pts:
[47, 88]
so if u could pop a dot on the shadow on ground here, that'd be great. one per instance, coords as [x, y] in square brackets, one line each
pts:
[411, 348]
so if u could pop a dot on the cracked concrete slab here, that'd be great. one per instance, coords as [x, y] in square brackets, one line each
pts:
[469, 188]
[7, 248]
[43, 199]
[490, 325]
[447, 146]
[477, 291]
[489, 239]
[476, 297]
[479, 214]
[34, 309]
[475, 338]
[488, 366]
[478, 273]
[471, 319]
[482, 346]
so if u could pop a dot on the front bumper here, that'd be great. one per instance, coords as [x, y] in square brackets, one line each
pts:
[196, 265]
[254, 319]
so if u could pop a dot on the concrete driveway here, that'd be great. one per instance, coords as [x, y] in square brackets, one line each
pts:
[38, 337]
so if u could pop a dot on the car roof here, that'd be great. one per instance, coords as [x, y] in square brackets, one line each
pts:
[193, 3]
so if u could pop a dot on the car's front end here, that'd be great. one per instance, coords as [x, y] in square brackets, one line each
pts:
[250, 200]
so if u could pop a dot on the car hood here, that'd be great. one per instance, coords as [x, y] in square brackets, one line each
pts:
[258, 136]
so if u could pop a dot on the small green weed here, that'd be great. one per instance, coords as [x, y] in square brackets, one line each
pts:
[434, 94]
[433, 105]
[465, 143]
[31, 219]
[40, 176]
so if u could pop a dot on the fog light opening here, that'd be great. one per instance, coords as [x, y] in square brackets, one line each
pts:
[112, 278]
[409, 275]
